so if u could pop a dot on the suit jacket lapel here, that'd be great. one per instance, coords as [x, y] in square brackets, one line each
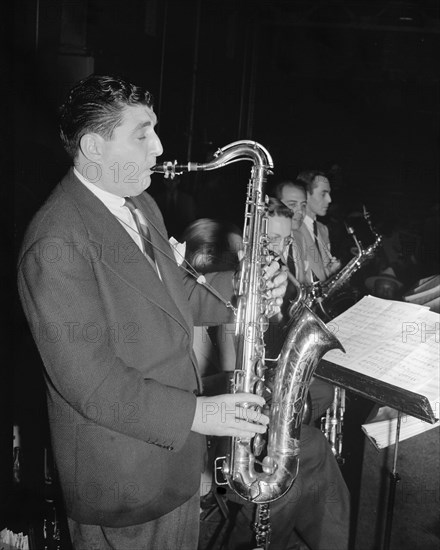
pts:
[165, 257]
[120, 253]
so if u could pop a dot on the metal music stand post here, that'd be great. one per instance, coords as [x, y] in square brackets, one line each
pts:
[394, 480]
[385, 394]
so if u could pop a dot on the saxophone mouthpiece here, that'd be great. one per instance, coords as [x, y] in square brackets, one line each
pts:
[170, 169]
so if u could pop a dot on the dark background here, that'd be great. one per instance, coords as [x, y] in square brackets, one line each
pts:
[350, 87]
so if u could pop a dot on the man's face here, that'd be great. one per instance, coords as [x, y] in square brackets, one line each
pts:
[318, 202]
[295, 198]
[278, 232]
[127, 158]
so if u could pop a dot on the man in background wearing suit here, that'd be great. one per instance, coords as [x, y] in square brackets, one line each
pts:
[112, 316]
[294, 197]
[317, 507]
[319, 256]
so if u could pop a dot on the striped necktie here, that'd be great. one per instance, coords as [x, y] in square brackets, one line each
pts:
[144, 232]
[315, 234]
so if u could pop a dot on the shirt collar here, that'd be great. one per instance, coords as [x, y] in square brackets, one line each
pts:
[109, 199]
[308, 222]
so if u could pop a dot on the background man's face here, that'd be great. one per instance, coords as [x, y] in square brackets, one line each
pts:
[278, 232]
[319, 201]
[295, 198]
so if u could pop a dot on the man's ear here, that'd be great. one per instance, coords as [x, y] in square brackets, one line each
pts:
[91, 146]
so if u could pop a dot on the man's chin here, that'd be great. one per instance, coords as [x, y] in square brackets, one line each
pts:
[144, 183]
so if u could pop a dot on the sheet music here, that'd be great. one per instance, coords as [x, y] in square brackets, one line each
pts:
[394, 342]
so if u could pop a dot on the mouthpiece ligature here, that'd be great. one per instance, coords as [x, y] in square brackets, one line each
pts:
[168, 169]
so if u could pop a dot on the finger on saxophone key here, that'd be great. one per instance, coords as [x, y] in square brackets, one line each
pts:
[271, 269]
[248, 410]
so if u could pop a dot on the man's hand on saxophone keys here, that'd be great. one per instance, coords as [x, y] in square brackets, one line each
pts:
[334, 266]
[276, 285]
[231, 415]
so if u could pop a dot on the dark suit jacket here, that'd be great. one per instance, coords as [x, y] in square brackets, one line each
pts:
[116, 344]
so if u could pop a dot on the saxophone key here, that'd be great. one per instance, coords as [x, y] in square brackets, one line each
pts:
[263, 322]
[259, 388]
[260, 368]
[258, 445]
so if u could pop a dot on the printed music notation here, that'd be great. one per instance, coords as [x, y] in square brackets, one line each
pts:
[396, 343]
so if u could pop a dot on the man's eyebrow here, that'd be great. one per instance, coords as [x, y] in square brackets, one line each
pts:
[152, 122]
[142, 125]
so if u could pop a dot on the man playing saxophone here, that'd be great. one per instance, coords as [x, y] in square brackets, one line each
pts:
[126, 413]
[316, 509]
[288, 243]
[318, 253]
[293, 195]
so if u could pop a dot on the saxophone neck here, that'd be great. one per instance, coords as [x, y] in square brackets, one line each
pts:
[351, 232]
[342, 276]
[367, 218]
[233, 152]
[363, 255]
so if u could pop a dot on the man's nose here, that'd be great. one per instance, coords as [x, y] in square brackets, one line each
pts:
[157, 148]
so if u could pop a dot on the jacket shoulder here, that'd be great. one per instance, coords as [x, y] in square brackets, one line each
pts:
[59, 217]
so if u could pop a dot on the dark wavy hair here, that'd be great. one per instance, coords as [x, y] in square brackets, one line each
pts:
[209, 247]
[96, 104]
[308, 179]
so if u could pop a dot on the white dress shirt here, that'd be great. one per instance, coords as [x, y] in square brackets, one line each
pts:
[116, 206]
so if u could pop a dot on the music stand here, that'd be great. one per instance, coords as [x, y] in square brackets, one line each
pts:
[385, 394]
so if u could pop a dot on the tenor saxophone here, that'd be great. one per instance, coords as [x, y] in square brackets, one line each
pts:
[319, 295]
[261, 469]
[363, 255]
